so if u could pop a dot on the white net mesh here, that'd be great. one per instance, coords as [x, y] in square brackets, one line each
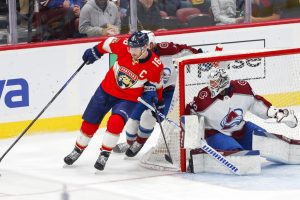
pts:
[155, 157]
[271, 74]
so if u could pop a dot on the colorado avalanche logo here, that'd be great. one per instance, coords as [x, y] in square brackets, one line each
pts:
[126, 78]
[233, 118]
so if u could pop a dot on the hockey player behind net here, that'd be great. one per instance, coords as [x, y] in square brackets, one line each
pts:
[142, 121]
[224, 103]
[118, 92]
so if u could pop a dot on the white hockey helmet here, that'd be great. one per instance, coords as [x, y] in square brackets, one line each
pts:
[150, 35]
[218, 81]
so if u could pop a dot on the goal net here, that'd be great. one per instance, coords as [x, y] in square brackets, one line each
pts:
[273, 74]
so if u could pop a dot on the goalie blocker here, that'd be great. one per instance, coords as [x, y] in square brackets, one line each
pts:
[271, 146]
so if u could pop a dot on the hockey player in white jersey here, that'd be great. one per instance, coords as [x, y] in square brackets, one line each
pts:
[142, 121]
[224, 103]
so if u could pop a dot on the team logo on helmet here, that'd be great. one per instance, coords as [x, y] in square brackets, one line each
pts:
[126, 78]
[233, 118]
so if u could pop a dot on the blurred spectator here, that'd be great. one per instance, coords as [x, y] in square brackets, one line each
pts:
[56, 19]
[124, 7]
[3, 15]
[224, 12]
[24, 11]
[186, 3]
[266, 10]
[99, 17]
[292, 9]
[117, 2]
[148, 15]
[202, 5]
[169, 6]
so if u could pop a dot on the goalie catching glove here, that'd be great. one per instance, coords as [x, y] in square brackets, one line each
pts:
[283, 116]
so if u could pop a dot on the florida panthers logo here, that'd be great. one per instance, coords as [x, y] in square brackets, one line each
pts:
[233, 118]
[126, 78]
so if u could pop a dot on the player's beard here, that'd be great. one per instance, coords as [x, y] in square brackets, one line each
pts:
[136, 57]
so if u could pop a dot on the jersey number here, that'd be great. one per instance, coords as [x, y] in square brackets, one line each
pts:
[156, 62]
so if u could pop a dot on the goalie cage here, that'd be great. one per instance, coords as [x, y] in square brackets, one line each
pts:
[273, 74]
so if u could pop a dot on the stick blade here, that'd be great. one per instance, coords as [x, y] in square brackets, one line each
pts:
[168, 158]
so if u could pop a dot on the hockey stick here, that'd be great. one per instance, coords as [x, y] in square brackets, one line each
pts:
[36, 118]
[204, 146]
[167, 157]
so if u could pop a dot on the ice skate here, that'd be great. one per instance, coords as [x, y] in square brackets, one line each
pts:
[102, 159]
[121, 148]
[134, 149]
[73, 156]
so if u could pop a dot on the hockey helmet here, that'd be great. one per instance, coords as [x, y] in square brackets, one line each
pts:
[138, 39]
[151, 36]
[218, 81]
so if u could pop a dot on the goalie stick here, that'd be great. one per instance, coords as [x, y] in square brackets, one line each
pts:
[203, 144]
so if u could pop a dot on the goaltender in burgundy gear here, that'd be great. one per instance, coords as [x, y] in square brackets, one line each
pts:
[119, 90]
[224, 104]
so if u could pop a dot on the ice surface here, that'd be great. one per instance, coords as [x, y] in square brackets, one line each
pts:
[34, 170]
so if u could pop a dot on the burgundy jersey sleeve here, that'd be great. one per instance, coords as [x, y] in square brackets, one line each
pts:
[243, 87]
[170, 48]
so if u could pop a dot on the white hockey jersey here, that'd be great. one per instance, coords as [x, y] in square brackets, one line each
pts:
[167, 51]
[226, 114]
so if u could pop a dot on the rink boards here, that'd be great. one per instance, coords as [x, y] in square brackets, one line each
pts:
[30, 77]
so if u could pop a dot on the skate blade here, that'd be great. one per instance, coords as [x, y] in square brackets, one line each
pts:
[66, 166]
[130, 158]
[98, 172]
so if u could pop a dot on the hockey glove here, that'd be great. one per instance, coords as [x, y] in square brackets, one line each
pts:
[150, 95]
[91, 55]
[160, 107]
[283, 116]
[200, 50]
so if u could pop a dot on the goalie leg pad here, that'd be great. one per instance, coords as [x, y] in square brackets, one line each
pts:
[277, 148]
[193, 130]
[248, 162]
[223, 142]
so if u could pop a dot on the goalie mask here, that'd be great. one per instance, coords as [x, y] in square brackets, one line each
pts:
[218, 81]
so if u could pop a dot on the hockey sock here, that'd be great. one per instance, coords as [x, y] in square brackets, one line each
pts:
[131, 130]
[115, 126]
[86, 133]
[146, 127]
